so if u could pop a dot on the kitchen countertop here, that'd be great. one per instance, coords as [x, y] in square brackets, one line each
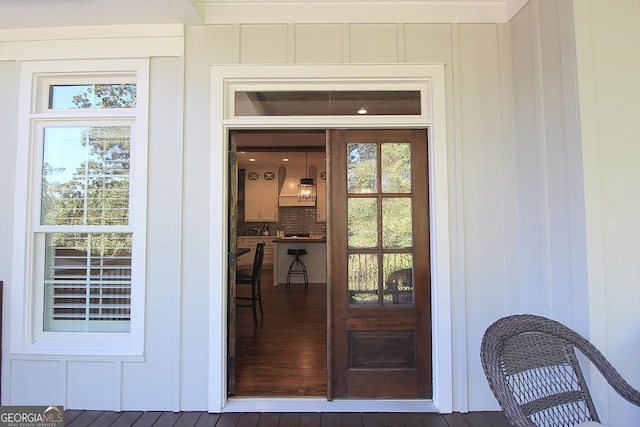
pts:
[299, 240]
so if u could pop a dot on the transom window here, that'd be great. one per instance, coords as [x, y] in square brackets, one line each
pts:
[105, 95]
[328, 103]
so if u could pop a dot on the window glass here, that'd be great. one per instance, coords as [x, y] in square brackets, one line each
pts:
[395, 159]
[88, 282]
[398, 282]
[362, 168]
[362, 218]
[85, 175]
[380, 223]
[363, 279]
[327, 103]
[122, 95]
[397, 222]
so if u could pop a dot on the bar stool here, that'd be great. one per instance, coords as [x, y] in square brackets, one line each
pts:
[297, 266]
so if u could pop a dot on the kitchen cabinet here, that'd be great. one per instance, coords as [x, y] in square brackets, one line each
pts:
[261, 195]
[246, 260]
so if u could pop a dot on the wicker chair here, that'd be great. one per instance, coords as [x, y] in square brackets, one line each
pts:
[532, 369]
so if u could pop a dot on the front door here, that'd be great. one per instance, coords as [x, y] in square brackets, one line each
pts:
[379, 265]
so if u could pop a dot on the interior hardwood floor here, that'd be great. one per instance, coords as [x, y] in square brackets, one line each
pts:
[285, 355]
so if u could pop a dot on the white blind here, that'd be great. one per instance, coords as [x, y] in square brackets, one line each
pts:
[88, 282]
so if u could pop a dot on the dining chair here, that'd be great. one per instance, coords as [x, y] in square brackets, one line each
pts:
[531, 365]
[252, 278]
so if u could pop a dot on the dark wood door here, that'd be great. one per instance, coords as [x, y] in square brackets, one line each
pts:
[379, 264]
[231, 265]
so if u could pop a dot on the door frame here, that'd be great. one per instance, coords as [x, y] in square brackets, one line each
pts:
[430, 80]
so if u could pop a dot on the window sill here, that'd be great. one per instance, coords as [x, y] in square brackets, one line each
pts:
[94, 346]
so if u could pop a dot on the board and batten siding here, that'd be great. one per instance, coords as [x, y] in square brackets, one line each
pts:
[481, 159]
[173, 374]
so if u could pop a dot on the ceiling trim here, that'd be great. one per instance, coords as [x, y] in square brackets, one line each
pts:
[86, 42]
[514, 6]
[307, 12]
[187, 11]
[91, 32]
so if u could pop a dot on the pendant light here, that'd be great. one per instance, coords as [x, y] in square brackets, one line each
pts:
[306, 189]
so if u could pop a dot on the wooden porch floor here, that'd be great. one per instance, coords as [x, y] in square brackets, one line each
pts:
[325, 419]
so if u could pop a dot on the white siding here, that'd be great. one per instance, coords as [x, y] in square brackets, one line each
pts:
[156, 381]
[35, 382]
[481, 140]
[515, 193]
[577, 176]
[608, 57]
[478, 77]
[8, 118]
[550, 192]
[92, 384]
[318, 43]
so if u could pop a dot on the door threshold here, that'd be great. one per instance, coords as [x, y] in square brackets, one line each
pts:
[320, 404]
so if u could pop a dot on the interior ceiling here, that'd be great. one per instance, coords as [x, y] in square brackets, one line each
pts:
[63, 13]
[271, 146]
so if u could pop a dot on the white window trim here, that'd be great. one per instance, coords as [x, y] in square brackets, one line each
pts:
[25, 309]
[430, 79]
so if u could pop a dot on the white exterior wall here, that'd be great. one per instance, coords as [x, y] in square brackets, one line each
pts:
[105, 382]
[608, 58]
[577, 155]
[551, 233]
[511, 197]
[8, 118]
[481, 165]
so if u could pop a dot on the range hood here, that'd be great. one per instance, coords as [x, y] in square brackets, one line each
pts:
[289, 193]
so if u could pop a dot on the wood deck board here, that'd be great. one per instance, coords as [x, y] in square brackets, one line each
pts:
[433, 420]
[104, 419]
[326, 419]
[83, 419]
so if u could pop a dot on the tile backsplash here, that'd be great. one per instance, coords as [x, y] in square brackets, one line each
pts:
[291, 220]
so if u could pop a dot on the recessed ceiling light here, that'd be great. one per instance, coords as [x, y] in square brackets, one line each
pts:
[285, 160]
[362, 111]
[252, 160]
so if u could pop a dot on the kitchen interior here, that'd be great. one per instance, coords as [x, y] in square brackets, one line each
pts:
[271, 166]
[282, 203]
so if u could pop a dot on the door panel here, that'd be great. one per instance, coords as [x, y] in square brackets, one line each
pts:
[379, 264]
[231, 265]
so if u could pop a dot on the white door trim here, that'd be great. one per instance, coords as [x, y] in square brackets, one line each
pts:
[428, 78]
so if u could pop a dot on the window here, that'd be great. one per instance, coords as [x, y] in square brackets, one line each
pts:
[88, 161]
[84, 194]
[328, 103]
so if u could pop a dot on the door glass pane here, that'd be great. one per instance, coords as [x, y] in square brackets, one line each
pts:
[396, 167]
[397, 222]
[363, 279]
[398, 274]
[362, 217]
[362, 171]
